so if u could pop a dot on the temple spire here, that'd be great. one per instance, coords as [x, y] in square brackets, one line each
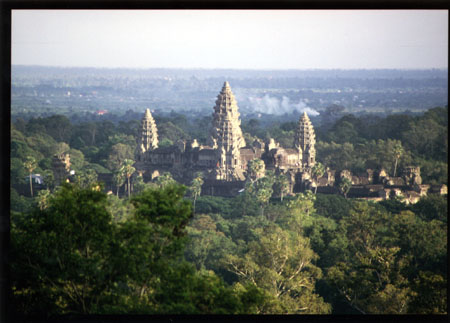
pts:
[226, 135]
[149, 133]
[304, 141]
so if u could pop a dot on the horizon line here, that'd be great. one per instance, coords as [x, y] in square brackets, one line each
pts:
[239, 69]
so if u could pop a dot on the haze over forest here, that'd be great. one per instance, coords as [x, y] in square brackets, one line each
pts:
[38, 90]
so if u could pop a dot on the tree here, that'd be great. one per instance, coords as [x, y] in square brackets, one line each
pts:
[281, 186]
[317, 171]
[262, 191]
[86, 178]
[398, 152]
[43, 199]
[256, 169]
[118, 180]
[299, 212]
[431, 294]
[61, 148]
[207, 245]
[77, 161]
[153, 238]
[73, 258]
[119, 152]
[139, 185]
[344, 186]
[279, 262]
[49, 179]
[371, 271]
[30, 165]
[196, 188]
[59, 127]
[127, 169]
[372, 282]
[164, 180]
[61, 254]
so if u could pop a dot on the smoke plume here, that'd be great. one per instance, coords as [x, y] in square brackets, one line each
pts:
[272, 105]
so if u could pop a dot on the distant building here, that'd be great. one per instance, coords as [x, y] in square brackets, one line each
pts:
[101, 112]
[224, 160]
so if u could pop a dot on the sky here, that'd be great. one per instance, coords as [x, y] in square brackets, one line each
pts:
[240, 39]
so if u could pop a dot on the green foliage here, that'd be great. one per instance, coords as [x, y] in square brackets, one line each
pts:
[344, 186]
[127, 169]
[189, 292]
[57, 126]
[118, 154]
[164, 180]
[389, 143]
[18, 173]
[165, 142]
[19, 203]
[118, 180]
[72, 257]
[99, 169]
[59, 253]
[77, 161]
[259, 190]
[86, 178]
[432, 207]
[196, 188]
[332, 206]
[379, 269]
[279, 262]
[21, 150]
[43, 199]
[164, 208]
[255, 169]
[30, 165]
[167, 130]
[77, 251]
[317, 172]
[119, 209]
[42, 143]
[431, 294]
[215, 204]
[432, 171]
[281, 186]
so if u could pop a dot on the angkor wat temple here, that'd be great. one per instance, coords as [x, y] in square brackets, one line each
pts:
[223, 161]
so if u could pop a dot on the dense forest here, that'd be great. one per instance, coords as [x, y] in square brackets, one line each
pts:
[161, 247]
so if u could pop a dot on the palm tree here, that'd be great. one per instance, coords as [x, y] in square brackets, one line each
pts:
[256, 169]
[118, 180]
[30, 165]
[164, 180]
[196, 188]
[345, 186]
[127, 170]
[49, 179]
[317, 171]
[282, 185]
[43, 199]
[398, 152]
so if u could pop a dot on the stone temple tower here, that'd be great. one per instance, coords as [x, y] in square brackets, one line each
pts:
[226, 136]
[149, 136]
[304, 142]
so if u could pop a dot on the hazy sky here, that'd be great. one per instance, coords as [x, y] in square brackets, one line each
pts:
[257, 39]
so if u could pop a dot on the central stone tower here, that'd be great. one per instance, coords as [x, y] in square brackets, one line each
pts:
[304, 142]
[226, 136]
[148, 139]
